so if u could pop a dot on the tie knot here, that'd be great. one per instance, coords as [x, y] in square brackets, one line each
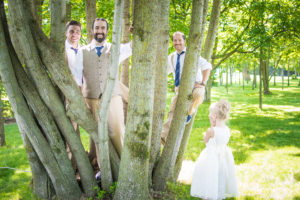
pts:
[74, 49]
[99, 50]
[179, 54]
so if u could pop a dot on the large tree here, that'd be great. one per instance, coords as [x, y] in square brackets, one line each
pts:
[34, 74]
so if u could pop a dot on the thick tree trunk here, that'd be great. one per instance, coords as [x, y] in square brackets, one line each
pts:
[160, 90]
[36, 9]
[125, 38]
[289, 72]
[2, 133]
[63, 187]
[212, 30]
[167, 161]
[91, 14]
[106, 97]
[260, 80]
[254, 77]
[208, 46]
[282, 77]
[227, 79]
[134, 166]
[231, 73]
[41, 183]
[68, 11]
[45, 88]
[210, 80]
[58, 21]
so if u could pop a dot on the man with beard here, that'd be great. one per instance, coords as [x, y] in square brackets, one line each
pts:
[96, 61]
[175, 66]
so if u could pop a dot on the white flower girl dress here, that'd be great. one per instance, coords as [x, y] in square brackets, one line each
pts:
[214, 176]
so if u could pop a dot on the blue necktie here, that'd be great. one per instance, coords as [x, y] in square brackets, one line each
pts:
[75, 50]
[99, 50]
[177, 71]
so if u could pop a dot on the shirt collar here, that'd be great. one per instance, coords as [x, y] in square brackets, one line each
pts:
[93, 44]
[68, 45]
[184, 50]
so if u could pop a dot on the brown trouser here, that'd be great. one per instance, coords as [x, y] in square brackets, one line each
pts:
[116, 126]
[198, 97]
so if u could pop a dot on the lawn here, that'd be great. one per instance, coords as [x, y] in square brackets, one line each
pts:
[265, 144]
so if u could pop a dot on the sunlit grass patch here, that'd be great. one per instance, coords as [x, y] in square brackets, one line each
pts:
[270, 174]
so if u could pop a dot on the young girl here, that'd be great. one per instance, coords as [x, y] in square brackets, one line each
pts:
[214, 176]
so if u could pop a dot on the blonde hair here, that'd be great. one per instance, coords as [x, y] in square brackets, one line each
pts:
[221, 109]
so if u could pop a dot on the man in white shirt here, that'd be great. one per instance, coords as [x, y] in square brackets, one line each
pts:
[96, 62]
[73, 57]
[175, 66]
[72, 48]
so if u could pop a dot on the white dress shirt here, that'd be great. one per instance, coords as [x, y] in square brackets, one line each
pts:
[125, 50]
[172, 59]
[74, 61]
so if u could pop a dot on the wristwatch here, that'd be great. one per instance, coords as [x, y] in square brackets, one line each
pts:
[202, 83]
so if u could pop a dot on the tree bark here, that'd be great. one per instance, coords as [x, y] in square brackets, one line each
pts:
[282, 77]
[125, 38]
[58, 22]
[260, 79]
[210, 80]
[41, 183]
[26, 123]
[91, 14]
[212, 30]
[133, 181]
[48, 93]
[160, 90]
[2, 132]
[254, 77]
[288, 72]
[167, 161]
[106, 97]
[227, 79]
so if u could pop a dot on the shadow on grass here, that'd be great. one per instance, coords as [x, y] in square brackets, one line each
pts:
[263, 131]
[14, 184]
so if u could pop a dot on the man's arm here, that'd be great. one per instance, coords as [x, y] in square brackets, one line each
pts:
[125, 51]
[204, 67]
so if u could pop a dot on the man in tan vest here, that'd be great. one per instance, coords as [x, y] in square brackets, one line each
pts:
[96, 61]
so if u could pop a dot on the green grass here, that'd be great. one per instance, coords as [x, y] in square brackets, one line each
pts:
[265, 144]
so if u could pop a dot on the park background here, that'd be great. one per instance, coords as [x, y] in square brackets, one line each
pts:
[265, 131]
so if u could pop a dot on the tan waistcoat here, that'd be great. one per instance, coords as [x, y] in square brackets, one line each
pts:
[95, 71]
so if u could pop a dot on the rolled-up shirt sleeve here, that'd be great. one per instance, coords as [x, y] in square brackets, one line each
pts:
[125, 51]
[170, 67]
[203, 65]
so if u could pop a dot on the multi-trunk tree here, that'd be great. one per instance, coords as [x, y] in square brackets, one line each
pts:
[34, 74]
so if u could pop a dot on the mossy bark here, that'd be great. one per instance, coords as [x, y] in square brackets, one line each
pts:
[64, 189]
[133, 176]
[167, 161]
[48, 93]
[91, 14]
[106, 97]
[160, 90]
[2, 133]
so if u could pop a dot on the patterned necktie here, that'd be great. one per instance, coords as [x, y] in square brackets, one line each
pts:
[75, 50]
[99, 50]
[177, 71]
